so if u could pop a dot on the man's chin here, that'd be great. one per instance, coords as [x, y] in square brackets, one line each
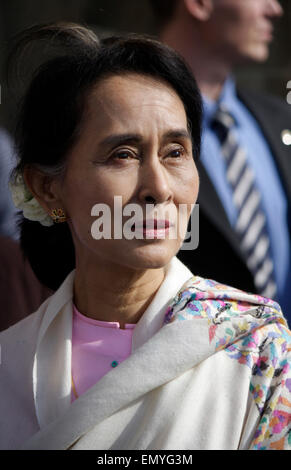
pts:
[255, 54]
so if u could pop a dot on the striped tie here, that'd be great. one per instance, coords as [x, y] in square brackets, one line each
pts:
[251, 221]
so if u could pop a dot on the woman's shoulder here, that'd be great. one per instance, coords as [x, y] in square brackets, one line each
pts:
[197, 288]
[220, 304]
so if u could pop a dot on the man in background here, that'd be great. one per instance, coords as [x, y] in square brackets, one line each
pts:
[20, 291]
[245, 166]
[8, 226]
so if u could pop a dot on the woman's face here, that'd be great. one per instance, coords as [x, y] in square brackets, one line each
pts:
[134, 144]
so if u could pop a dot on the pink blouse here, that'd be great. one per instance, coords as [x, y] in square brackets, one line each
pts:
[97, 347]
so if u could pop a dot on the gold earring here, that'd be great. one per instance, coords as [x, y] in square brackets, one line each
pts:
[58, 216]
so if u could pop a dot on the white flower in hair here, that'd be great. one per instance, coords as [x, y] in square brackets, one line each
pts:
[25, 201]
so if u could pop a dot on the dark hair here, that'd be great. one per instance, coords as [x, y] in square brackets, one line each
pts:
[163, 11]
[50, 119]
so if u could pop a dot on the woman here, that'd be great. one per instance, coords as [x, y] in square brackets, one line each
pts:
[132, 351]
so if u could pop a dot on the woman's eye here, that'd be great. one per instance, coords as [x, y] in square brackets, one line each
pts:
[176, 153]
[123, 155]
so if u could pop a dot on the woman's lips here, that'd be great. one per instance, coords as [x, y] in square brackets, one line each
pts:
[156, 224]
[153, 228]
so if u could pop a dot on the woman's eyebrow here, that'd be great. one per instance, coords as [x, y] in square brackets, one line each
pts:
[118, 139]
[176, 134]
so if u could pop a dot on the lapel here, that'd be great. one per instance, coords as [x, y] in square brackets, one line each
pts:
[211, 205]
[264, 109]
[273, 116]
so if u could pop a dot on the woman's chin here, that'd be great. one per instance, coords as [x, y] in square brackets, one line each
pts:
[133, 255]
[153, 256]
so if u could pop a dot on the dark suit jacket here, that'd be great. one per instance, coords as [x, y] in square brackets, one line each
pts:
[218, 255]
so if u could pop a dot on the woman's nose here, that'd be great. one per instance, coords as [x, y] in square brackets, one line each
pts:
[154, 184]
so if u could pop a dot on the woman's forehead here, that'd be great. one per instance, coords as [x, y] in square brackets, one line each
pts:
[120, 99]
[127, 86]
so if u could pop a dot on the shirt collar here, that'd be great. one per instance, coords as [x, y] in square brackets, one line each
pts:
[227, 97]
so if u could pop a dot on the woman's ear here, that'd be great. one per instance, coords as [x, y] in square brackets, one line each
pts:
[201, 10]
[44, 188]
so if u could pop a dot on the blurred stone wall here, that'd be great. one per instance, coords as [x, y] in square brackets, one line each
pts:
[126, 16]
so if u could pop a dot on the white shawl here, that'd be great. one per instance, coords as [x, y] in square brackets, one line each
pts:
[175, 391]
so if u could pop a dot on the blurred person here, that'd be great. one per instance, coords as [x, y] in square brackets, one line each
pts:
[8, 226]
[245, 167]
[131, 339]
[20, 291]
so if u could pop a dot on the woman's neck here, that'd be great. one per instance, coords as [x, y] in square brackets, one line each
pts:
[115, 293]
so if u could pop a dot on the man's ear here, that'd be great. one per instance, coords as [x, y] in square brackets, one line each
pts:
[43, 187]
[199, 9]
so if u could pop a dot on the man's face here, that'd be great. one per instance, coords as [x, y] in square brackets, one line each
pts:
[242, 30]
